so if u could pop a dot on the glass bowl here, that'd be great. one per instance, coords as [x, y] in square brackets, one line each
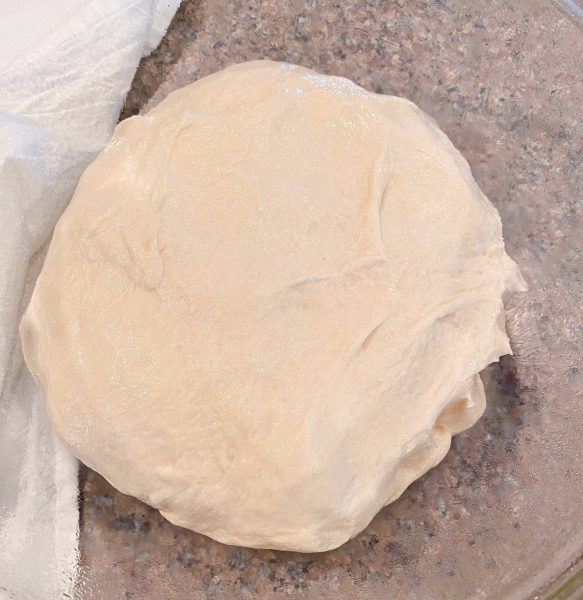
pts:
[501, 516]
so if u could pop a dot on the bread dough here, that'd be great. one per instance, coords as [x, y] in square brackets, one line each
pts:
[265, 310]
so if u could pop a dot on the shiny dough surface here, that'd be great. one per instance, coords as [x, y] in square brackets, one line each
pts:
[267, 306]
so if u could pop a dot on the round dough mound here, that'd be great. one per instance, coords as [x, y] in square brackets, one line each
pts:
[265, 310]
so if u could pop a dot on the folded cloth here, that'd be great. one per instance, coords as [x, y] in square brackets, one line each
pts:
[65, 68]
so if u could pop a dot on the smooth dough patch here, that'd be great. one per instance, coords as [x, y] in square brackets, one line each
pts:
[265, 310]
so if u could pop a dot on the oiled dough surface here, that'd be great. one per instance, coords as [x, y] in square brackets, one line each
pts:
[265, 310]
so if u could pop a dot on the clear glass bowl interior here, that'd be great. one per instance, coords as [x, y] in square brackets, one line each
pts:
[502, 516]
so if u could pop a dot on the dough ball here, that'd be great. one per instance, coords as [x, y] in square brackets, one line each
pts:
[265, 310]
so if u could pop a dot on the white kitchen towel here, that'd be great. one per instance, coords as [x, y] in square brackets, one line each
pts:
[65, 68]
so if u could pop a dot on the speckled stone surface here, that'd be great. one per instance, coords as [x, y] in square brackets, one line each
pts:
[502, 515]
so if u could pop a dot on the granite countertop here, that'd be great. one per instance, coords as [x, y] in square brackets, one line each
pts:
[504, 81]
